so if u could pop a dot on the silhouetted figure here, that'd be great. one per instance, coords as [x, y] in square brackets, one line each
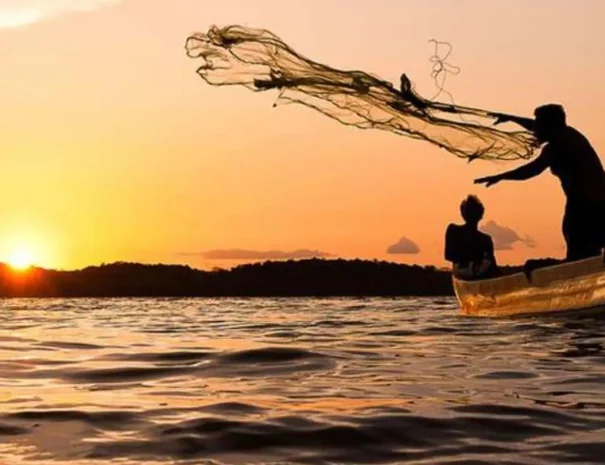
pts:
[572, 159]
[470, 250]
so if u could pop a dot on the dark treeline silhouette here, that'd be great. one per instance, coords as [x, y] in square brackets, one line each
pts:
[293, 278]
[314, 277]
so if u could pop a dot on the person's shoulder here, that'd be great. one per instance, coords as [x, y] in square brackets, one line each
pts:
[572, 134]
[453, 228]
[485, 237]
[577, 142]
[571, 131]
[565, 136]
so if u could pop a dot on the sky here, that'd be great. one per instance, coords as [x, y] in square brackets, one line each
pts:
[113, 149]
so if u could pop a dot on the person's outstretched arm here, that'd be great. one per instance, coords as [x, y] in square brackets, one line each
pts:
[527, 171]
[526, 123]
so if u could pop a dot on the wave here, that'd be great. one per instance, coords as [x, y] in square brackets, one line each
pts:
[402, 380]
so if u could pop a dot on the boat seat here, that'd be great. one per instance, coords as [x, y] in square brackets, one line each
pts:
[534, 264]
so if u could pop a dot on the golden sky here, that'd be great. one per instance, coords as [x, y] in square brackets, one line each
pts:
[114, 149]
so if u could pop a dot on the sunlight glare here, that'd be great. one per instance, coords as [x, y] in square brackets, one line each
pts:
[15, 17]
[21, 259]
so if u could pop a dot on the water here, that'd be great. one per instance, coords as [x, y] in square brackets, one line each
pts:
[135, 381]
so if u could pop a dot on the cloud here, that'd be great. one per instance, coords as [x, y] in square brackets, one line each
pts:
[15, 13]
[243, 254]
[504, 238]
[404, 246]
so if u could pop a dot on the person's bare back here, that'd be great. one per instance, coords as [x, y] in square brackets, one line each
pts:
[470, 250]
[573, 160]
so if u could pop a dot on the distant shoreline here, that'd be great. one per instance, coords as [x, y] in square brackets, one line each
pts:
[292, 278]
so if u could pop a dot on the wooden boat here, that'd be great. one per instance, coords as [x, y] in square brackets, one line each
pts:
[568, 286]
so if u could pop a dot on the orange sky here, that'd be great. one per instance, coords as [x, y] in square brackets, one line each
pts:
[114, 149]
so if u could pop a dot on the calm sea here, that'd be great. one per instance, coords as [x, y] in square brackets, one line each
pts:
[204, 381]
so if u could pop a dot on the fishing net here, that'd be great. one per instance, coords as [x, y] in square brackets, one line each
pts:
[261, 61]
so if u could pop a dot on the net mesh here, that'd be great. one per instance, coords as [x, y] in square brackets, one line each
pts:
[261, 61]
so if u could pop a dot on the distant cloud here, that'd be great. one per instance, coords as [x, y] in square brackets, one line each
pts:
[242, 254]
[504, 237]
[15, 13]
[404, 246]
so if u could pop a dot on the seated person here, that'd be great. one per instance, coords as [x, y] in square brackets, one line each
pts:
[470, 250]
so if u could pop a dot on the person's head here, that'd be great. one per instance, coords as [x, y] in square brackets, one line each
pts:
[550, 119]
[472, 210]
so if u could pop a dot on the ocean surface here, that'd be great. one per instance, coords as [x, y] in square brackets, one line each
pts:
[343, 381]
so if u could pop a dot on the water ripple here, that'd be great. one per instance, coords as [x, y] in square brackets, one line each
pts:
[136, 381]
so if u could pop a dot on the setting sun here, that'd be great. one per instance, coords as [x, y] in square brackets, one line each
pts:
[26, 243]
[21, 259]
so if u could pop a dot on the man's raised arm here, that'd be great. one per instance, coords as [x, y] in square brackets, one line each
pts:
[527, 171]
[526, 123]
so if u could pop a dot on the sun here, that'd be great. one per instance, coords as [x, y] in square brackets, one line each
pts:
[21, 259]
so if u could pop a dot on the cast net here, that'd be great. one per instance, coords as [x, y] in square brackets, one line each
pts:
[261, 61]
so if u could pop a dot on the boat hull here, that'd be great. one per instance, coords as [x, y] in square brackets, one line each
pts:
[570, 286]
